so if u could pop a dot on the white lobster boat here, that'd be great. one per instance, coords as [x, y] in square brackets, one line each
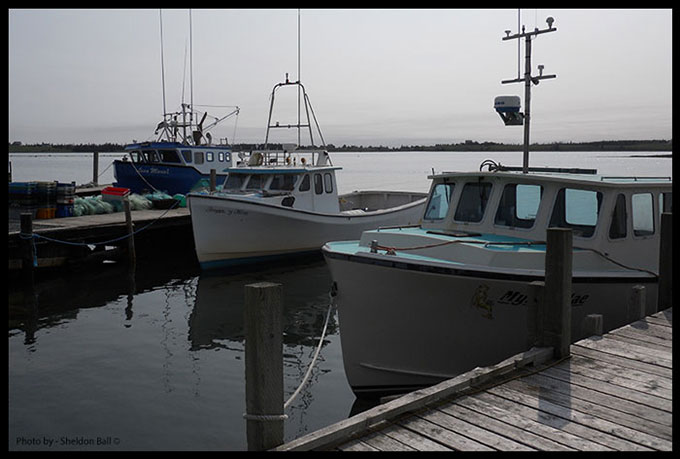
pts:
[423, 303]
[285, 202]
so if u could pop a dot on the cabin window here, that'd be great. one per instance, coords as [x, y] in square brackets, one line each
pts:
[642, 207]
[440, 199]
[665, 202]
[210, 156]
[186, 154]
[198, 157]
[256, 182]
[169, 156]
[472, 202]
[234, 181]
[318, 184]
[137, 156]
[305, 184]
[220, 156]
[578, 210]
[328, 182]
[284, 182]
[519, 205]
[617, 228]
[151, 156]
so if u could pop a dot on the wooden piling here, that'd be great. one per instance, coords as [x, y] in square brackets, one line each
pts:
[213, 180]
[637, 303]
[132, 256]
[557, 292]
[665, 294]
[95, 168]
[28, 253]
[263, 322]
[592, 325]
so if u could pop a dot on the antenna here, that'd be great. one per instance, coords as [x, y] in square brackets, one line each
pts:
[160, 16]
[191, 70]
[528, 79]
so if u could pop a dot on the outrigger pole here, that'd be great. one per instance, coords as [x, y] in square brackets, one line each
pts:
[528, 79]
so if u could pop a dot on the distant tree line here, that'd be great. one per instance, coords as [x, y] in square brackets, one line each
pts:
[468, 145]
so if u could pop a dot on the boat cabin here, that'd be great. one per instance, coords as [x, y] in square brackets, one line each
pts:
[310, 188]
[202, 158]
[617, 215]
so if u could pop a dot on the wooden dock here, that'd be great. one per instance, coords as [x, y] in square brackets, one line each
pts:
[167, 229]
[613, 393]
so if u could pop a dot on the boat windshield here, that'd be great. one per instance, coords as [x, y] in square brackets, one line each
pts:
[169, 156]
[256, 182]
[440, 198]
[235, 181]
[285, 182]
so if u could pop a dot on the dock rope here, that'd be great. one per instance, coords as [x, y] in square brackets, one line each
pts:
[35, 236]
[393, 250]
[316, 354]
[281, 417]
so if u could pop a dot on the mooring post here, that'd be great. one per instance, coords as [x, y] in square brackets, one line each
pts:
[637, 303]
[95, 168]
[665, 294]
[213, 180]
[557, 292]
[263, 322]
[592, 325]
[535, 313]
[132, 256]
[28, 257]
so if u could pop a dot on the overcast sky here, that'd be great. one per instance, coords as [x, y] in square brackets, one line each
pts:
[374, 77]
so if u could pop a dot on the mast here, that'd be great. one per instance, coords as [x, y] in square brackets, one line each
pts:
[528, 79]
[298, 78]
[160, 17]
[191, 72]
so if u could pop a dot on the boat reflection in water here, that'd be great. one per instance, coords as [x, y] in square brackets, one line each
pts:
[173, 335]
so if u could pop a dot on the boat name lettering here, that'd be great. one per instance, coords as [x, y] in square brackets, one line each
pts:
[579, 300]
[513, 298]
[217, 210]
[154, 171]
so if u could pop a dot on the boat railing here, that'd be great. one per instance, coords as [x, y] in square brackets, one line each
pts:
[292, 157]
[634, 178]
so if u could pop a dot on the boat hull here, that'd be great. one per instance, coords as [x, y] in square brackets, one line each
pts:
[229, 231]
[404, 326]
[168, 178]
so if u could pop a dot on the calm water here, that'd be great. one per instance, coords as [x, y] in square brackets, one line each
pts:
[106, 362]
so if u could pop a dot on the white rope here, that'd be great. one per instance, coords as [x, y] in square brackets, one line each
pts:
[316, 354]
[281, 417]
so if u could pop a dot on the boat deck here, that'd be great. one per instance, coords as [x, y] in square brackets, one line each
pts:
[614, 392]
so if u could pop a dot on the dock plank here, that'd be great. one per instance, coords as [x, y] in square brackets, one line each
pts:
[623, 361]
[414, 439]
[542, 382]
[382, 442]
[565, 398]
[612, 369]
[474, 432]
[613, 393]
[630, 351]
[568, 420]
[647, 344]
[527, 431]
[621, 380]
[642, 338]
[437, 433]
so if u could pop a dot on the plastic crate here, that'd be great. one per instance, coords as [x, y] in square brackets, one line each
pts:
[114, 193]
